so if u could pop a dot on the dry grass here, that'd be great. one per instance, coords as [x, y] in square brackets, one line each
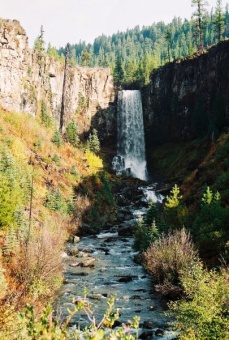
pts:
[168, 256]
[39, 263]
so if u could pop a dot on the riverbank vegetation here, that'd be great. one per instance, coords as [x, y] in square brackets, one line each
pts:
[184, 242]
[46, 189]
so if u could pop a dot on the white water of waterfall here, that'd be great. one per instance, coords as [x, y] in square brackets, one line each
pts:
[131, 158]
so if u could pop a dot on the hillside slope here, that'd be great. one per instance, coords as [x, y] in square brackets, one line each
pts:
[41, 207]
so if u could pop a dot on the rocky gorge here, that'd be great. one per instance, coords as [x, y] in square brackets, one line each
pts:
[29, 77]
[179, 104]
[188, 98]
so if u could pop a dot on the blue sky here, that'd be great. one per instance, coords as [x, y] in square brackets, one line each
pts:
[71, 20]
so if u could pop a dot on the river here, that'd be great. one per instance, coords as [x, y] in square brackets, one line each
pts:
[104, 265]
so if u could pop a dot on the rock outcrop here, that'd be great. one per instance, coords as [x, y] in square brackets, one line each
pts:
[188, 98]
[28, 77]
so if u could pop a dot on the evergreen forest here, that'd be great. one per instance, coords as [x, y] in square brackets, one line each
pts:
[132, 55]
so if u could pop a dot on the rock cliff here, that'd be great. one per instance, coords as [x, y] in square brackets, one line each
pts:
[29, 77]
[188, 98]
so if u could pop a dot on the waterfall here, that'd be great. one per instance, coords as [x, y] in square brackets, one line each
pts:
[130, 159]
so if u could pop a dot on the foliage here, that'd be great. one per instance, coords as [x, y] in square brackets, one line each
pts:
[199, 18]
[3, 283]
[144, 236]
[203, 312]
[103, 206]
[74, 170]
[93, 143]
[11, 243]
[175, 211]
[168, 256]
[56, 202]
[52, 52]
[168, 37]
[85, 58]
[57, 138]
[94, 161]
[82, 103]
[33, 326]
[147, 230]
[39, 263]
[219, 20]
[39, 42]
[132, 55]
[14, 188]
[45, 118]
[72, 134]
[210, 224]
[173, 200]
[118, 72]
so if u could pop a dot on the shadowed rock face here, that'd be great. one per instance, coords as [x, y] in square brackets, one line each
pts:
[28, 77]
[183, 97]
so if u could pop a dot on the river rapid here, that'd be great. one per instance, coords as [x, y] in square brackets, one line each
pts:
[104, 265]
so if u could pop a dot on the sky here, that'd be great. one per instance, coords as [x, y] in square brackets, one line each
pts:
[74, 20]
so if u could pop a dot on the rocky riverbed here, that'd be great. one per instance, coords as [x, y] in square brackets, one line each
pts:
[104, 265]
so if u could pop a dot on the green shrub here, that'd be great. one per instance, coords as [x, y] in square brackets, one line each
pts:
[14, 189]
[145, 234]
[72, 134]
[56, 202]
[210, 224]
[57, 138]
[32, 326]
[74, 171]
[93, 143]
[175, 211]
[45, 117]
[202, 314]
[56, 159]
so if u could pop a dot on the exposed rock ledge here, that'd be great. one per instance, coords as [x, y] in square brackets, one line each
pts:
[28, 77]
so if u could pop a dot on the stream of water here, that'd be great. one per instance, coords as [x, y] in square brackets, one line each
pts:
[104, 265]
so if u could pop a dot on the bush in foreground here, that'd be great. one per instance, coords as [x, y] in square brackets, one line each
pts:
[29, 325]
[169, 255]
[203, 313]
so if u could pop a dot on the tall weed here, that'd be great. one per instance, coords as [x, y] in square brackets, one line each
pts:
[167, 256]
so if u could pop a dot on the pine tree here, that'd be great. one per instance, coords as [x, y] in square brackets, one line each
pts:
[174, 199]
[45, 118]
[72, 134]
[168, 38]
[57, 139]
[85, 58]
[118, 72]
[39, 43]
[93, 142]
[219, 18]
[198, 16]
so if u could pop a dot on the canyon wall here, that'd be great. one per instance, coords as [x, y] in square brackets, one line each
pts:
[29, 77]
[188, 98]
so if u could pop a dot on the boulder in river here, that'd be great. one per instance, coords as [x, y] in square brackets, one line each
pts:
[73, 251]
[83, 263]
[126, 230]
[125, 279]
